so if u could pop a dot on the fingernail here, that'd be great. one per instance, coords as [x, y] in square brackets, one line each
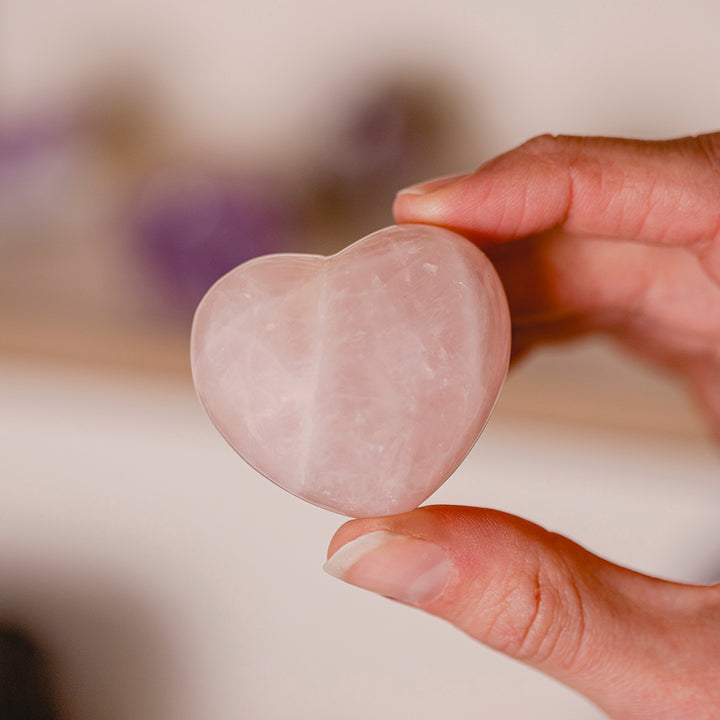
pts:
[401, 567]
[429, 186]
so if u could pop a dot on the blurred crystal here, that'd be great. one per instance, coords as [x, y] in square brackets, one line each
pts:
[390, 136]
[193, 228]
[40, 160]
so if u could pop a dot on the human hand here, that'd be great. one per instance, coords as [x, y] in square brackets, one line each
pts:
[587, 235]
[604, 235]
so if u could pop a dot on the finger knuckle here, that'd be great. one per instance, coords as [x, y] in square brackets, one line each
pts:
[541, 616]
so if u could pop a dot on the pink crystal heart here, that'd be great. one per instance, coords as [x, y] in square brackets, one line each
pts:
[358, 381]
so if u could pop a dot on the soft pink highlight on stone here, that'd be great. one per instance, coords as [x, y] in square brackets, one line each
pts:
[359, 381]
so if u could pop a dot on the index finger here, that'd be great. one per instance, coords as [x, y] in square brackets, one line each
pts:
[643, 191]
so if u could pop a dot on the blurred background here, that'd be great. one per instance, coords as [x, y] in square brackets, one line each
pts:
[148, 147]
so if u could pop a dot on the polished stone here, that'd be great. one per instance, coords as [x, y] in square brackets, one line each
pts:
[358, 381]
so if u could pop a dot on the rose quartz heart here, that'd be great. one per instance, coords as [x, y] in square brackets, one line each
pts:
[358, 381]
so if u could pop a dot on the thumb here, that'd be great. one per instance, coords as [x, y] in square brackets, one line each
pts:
[637, 646]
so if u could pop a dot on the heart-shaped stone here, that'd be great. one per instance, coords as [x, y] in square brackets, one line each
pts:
[358, 381]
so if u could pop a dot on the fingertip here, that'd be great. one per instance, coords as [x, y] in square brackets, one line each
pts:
[352, 530]
[427, 202]
[430, 186]
[396, 565]
[437, 523]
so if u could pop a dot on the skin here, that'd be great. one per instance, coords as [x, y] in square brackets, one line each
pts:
[588, 235]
